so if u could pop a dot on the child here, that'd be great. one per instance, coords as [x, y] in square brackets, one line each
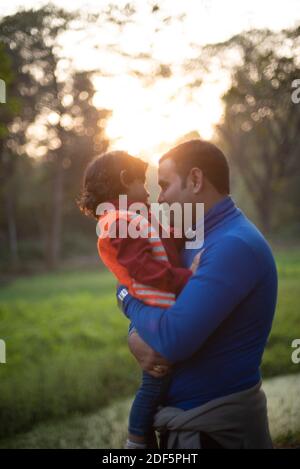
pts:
[148, 266]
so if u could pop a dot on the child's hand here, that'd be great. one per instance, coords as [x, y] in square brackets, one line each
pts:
[196, 261]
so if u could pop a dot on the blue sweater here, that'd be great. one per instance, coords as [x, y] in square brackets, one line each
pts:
[216, 332]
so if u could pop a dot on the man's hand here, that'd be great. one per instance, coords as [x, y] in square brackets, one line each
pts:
[148, 359]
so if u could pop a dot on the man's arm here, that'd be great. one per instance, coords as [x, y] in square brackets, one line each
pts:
[148, 359]
[226, 275]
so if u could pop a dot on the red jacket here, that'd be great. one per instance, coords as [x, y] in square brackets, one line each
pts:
[136, 258]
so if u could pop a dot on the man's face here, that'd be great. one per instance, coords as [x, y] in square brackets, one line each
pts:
[169, 182]
[171, 186]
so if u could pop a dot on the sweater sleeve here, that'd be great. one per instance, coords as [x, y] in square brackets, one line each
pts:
[226, 275]
[136, 256]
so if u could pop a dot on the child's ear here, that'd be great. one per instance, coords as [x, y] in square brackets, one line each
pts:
[124, 178]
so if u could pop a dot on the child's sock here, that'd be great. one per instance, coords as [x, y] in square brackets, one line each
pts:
[134, 445]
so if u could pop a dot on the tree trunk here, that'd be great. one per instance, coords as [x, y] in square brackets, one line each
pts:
[11, 227]
[264, 211]
[55, 231]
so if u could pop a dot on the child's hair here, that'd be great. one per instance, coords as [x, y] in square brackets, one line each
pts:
[101, 180]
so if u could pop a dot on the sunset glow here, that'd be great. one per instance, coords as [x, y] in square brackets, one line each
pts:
[150, 110]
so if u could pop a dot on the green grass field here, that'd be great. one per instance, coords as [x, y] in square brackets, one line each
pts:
[67, 349]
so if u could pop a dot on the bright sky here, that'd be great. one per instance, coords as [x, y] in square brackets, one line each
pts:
[149, 115]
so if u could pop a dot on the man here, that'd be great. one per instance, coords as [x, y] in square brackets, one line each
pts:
[213, 338]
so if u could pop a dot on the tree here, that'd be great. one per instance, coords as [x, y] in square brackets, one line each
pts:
[55, 121]
[8, 111]
[38, 116]
[79, 133]
[261, 123]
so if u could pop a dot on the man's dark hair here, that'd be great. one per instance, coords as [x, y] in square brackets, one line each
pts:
[101, 180]
[205, 156]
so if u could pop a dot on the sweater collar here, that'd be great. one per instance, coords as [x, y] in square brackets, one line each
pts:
[222, 211]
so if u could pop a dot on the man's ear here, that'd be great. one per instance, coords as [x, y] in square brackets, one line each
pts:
[124, 178]
[196, 179]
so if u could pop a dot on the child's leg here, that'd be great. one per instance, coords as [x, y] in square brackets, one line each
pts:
[144, 407]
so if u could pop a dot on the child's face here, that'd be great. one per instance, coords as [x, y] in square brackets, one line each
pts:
[137, 191]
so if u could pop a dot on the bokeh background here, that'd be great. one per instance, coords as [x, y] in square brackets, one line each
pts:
[140, 76]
